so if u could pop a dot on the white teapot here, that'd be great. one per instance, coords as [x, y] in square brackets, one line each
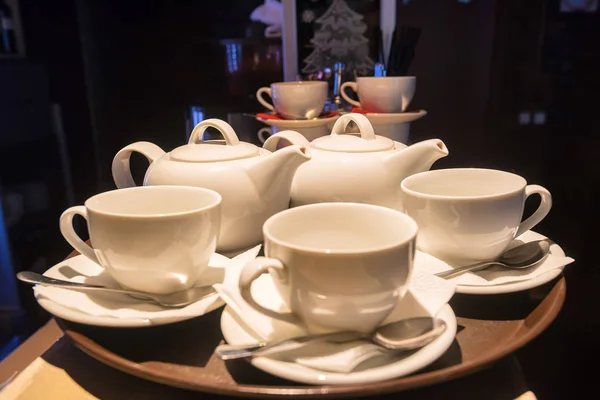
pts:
[360, 169]
[253, 182]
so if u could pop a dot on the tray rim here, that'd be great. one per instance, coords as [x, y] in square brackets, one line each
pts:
[556, 296]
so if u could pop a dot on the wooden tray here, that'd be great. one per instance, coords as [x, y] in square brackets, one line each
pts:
[181, 355]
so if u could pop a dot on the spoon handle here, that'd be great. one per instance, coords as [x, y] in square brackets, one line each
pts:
[461, 270]
[35, 278]
[232, 352]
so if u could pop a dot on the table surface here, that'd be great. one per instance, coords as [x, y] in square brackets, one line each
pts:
[52, 367]
[48, 365]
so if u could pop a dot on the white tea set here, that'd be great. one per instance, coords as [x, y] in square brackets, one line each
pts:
[353, 228]
[299, 105]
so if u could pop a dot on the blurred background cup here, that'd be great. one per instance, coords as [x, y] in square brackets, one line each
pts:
[387, 94]
[295, 100]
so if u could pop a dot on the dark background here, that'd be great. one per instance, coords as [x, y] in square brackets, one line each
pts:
[122, 71]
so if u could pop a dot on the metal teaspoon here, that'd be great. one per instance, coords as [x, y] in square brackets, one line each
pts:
[172, 300]
[408, 334]
[523, 256]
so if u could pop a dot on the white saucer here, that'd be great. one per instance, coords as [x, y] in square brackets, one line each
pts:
[151, 316]
[395, 118]
[299, 123]
[512, 287]
[237, 332]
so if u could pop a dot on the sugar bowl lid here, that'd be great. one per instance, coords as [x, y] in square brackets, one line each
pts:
[367, 142]
[198, 151]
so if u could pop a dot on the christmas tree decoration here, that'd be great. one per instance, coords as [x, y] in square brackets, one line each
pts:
[340, 39]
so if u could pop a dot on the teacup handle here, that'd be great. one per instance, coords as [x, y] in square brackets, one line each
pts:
[353, 86]
[542, 210]
[251, 272]
[262, 132]
[121, 170]
[295, 138]
[261, 99]
[223, 127]
[67, 230]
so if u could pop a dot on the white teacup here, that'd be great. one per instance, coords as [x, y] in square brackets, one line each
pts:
[155, 239]
[468, 215]
[338, 266]
[382, 94]
[295, 100]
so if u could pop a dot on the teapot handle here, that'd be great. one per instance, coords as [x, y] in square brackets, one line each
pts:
[364, 125]
[121, 171]
[295, 138]
[223, 127]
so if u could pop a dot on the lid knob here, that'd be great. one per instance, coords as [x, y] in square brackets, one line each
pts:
[364, 125]
[223, 127]
[339, 140]
[199, 151]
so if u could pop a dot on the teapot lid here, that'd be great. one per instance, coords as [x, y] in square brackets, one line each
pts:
[197, 151]
[367, 142]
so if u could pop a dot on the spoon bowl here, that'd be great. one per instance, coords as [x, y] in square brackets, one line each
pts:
[408, 334]
[523, 256]
[403, 335]
[171, 300]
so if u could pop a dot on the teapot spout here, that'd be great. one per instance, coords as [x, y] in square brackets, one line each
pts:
[272, 175]
[417, 158]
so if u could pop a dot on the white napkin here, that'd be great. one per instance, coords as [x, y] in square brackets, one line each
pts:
[494, 275]
[269, 13]
[81, 269]
[426, 297]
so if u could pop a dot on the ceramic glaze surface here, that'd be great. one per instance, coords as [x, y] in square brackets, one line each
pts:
[362, 169]
[470, 215]
[151, 239]
[338, 266]
[253, 182]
